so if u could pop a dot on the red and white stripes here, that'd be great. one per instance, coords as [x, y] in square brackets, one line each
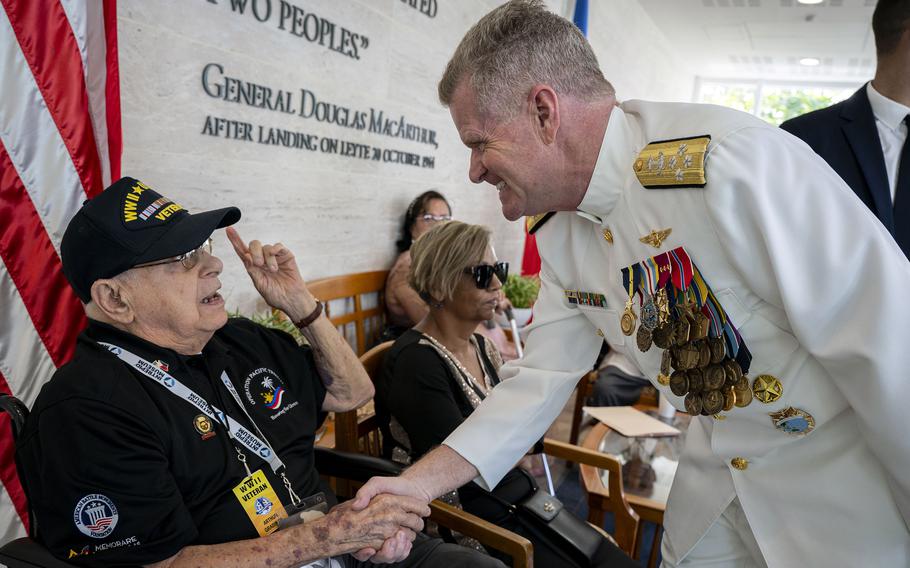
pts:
[60, 143]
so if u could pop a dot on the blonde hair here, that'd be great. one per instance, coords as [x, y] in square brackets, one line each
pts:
[439, 257]
[516, 46]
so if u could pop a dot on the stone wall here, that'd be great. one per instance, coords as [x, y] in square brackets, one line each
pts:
[333, 192]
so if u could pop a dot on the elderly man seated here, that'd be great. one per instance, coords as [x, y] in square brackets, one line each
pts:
[176, 437]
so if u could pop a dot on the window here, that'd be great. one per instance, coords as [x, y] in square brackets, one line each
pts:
[773, 102]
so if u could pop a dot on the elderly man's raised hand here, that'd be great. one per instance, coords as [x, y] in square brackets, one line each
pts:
[275, 275]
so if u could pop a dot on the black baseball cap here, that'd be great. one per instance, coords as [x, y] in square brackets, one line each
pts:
[130, 223]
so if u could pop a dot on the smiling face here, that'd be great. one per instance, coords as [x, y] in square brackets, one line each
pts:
[174, 306]
[472, 303]
[509, 155]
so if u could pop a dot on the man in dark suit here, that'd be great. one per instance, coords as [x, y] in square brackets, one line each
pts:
[864, 137]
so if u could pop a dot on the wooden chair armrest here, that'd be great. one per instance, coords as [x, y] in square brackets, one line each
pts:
[626, 519]
[518, 547]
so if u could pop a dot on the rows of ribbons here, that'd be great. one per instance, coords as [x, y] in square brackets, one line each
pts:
[674, 272]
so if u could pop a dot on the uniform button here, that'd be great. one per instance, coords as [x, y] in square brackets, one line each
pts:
[739, 463]
[600, 332]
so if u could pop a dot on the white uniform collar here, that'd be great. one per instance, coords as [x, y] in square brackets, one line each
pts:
[890, 113]
[614, 163]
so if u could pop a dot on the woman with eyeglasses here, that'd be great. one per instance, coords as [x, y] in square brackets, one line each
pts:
[403, 305]
[438, 372]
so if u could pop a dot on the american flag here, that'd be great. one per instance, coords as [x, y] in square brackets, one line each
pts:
[60, 143]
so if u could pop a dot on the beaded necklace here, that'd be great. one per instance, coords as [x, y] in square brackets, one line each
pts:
[469, 384]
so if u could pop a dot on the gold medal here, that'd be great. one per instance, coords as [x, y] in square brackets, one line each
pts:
[663, 307]
[679, 383]
[712, 402]
[718, 349]
[627, 321]
[696, 380]
[681, 333]
[693, 403]
[643, 338]
[715, 377]
[700, 326]
[664, 335]
[665, 364]
[729, 398]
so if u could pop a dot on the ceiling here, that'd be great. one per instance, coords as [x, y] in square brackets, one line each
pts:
[765, 39]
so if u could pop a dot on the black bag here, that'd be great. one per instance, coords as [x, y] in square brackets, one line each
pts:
[544, 517]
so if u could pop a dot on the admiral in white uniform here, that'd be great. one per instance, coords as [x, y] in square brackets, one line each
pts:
[745, 253]
[817, 290]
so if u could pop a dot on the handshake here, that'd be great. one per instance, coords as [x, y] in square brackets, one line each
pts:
[381, 522]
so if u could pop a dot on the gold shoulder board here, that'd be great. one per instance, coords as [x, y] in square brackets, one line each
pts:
[673, 163]
[534, 222]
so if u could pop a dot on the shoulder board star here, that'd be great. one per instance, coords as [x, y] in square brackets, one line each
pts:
[668, 164]
[535, 222]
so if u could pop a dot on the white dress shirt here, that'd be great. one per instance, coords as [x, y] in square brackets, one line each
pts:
[892, 131]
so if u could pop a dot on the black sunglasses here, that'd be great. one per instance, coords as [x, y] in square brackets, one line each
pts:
[483, 273]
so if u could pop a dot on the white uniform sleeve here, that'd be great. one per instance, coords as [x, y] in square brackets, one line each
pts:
[804, 243]
[561, 347]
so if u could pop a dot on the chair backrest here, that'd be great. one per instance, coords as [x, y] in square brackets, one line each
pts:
[359, 434]
[346, 297]
[17, 411]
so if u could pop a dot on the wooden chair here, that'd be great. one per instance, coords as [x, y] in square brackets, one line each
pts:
[368, 322]
[360, 434]
[585, 388]
[627, 521]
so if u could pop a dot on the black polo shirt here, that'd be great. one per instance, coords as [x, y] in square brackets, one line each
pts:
[120, 471]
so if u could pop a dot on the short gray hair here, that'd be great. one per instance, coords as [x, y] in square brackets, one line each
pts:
[517, 46]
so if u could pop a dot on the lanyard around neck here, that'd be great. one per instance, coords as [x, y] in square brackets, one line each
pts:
[249, 440]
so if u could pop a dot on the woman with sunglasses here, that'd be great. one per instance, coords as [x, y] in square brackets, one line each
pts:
[437, 373]
[404, 306]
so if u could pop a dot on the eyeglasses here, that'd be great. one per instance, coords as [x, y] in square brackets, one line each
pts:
[435, 218]
[483, 273]
[189, 260]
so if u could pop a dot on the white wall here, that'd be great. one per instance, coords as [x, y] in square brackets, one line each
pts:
[635, 55]
[338, 214]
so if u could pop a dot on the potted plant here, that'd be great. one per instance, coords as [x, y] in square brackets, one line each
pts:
[522, 292]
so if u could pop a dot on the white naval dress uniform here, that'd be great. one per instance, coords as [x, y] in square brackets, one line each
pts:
[819, 293]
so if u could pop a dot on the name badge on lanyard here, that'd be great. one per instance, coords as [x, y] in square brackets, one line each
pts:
[260, 503]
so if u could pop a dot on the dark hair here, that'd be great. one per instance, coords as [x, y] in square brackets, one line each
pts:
[415, 209]
[889, 22]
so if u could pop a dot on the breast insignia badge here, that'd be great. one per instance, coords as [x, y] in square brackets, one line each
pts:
[674, 163]
[656, 238]
[793, 421]
[767, 388]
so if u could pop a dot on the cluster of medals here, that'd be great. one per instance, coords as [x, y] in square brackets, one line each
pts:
[704, 358]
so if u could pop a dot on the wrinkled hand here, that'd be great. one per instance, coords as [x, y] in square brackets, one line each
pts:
[393, 550]
[383, 531]
[377, 488]
[274, 273]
